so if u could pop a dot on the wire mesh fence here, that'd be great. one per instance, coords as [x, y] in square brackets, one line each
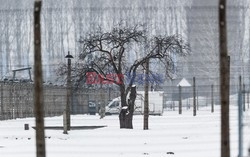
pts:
[205, 95]
[17, 98]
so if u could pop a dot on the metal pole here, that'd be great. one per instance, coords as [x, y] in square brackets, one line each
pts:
[38, 98]
[240, 112]
[180, 103]
[194, 97]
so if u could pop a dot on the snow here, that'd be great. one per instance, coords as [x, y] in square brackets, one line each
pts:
[170, 135]
[124, 107]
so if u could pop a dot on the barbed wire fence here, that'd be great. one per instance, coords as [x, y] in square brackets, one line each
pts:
[17, 98]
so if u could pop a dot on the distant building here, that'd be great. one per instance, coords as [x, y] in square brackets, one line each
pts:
[203, 36]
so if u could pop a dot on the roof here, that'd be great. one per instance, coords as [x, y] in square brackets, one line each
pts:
[184, 83]
[21, 69]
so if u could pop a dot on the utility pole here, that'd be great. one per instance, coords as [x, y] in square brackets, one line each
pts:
[194, 98]
[224, 80]
[38, 83]
[146, 102]
[69, 90]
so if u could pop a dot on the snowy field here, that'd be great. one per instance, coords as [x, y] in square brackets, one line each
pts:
[169, 135]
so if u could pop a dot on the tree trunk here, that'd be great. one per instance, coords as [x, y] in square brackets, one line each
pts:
[127, 110]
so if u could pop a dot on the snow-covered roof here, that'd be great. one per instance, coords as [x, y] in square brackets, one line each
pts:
[184, 83]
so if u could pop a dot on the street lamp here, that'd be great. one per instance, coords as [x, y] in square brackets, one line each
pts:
[69, 90]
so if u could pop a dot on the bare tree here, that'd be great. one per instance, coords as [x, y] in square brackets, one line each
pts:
[105, 53]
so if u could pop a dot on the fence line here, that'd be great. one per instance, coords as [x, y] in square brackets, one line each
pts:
[17, 98]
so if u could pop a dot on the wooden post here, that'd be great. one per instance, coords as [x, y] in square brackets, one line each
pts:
[248, 100]
[54, 104]
[228, 66]
[9, 115]
[102, 107]
[146, 101]
[243, 97]
[240, 86]
[109, 93]
[240, 113]
[65, 125]
[197, 96]
[212, 98]
[224, 80]
[38, 97]
[2, 112]
[12, 100]
[173, 105]
[194, 98]
[180, 102]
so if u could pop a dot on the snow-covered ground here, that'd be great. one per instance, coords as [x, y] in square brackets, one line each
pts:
[169, 135]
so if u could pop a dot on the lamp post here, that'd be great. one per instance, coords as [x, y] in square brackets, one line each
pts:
[69, 90]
